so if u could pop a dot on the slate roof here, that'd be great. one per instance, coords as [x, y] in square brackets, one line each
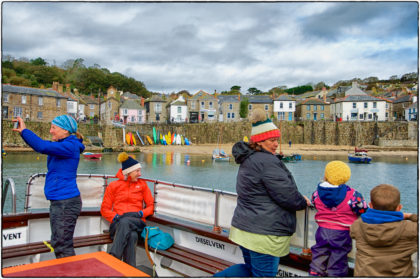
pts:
[31, 91]
[284, 97]
[130, 104]
[228, 98]
[403, 99]
[130, 96]
[358, 98]
[312, 101]
[260, 99]
[155, 98]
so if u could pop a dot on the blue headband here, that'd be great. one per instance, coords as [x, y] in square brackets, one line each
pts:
[66, 122]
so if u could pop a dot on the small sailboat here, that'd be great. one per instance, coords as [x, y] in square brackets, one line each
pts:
[90, 155]
[219, 155]
[359, 156]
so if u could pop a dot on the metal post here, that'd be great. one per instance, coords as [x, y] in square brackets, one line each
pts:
[305, 249]
[11, 183]
[216, 227]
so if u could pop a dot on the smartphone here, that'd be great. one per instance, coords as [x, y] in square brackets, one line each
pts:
[16, 125]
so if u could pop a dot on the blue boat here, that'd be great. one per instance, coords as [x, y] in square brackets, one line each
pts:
[359, 156]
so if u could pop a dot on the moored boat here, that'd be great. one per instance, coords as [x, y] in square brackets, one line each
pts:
[359, 156]
[90, 155]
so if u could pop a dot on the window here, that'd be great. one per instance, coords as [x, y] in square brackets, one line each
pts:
[322, 116]
[354, 105]
[321, 107]
[228, 115]
[23, 99]
[158, 108]
[370, 116]
[249, 107]
[17, 111]
[315, 107]
[210, 104]
[139, 113]
[374, 104]
[125, 111]
[230, 106]
[92, 114]
[193, 105]
[280, 115]
[5, 97]
[386, 114]
[281, 105]
[365, 105]
[308, 116]
[233, 115]
[202, 105]
[58, 102]
[308, 107]
[39, 115]
[40, 101]
[361, 116]
[157, 116]
[5, 112]
[133, 118]
[266, 107]
[92, 106]
[290, 105]
[386, 105]
[179, 109]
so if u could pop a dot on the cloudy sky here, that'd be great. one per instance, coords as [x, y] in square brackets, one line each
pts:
[213, 46]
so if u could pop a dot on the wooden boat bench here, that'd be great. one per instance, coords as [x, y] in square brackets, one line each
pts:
[198, 260]
[40, 247]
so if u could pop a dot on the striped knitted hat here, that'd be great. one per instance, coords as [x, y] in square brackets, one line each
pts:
[128, 163]
[262, 127]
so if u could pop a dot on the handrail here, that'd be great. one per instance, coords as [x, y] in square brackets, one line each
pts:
[9, 182]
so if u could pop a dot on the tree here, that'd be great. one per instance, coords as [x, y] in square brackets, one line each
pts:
[393, 77]
[243, 108]
[320, 85]
[254, 91]
[235, 88]
[38, 62]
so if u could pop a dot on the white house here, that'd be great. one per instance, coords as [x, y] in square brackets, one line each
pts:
[411, 112]
[284, 107]
[72, 108]
[359, 108]
[178, 112]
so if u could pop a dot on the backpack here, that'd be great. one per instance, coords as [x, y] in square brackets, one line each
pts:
[156, 238]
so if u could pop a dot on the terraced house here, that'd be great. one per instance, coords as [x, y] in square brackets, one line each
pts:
[264, 102]
[202, 107]
[32, 104]
[156, 110]
[229, 106]
[313, 109]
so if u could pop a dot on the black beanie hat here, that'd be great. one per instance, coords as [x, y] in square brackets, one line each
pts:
[128, 163]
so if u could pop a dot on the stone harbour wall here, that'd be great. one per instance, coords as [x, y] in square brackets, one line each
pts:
[303, 132]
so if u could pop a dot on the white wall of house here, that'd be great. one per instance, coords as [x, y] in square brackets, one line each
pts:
[360, 111]
[72, 108]
[81, 112]
[282, 109]
[178, 113]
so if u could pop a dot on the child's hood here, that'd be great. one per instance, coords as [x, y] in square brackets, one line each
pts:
[380, 235]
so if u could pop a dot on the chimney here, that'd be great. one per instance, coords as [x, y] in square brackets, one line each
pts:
[60, 89]
[76, 92]
[142, 102]
[325, 97]
[68, 88]
[55, 85]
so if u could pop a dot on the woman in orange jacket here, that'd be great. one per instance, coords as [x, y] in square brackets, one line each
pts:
[126, 204]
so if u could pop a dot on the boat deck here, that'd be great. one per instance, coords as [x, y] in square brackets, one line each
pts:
[97, 264]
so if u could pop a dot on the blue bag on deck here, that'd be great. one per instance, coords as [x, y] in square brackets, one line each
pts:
[157, 239]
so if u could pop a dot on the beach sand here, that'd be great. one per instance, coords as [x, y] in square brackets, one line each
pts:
[302, 149]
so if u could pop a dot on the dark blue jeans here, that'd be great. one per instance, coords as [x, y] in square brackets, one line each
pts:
[256, 265]
[63, 217]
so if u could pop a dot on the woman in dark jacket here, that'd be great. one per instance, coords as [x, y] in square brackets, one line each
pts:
[265, 215]
[60, 182]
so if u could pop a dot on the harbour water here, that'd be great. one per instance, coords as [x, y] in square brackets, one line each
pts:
[199, 170]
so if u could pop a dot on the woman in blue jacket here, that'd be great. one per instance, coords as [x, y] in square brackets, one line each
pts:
[265, 215]
[60, 183]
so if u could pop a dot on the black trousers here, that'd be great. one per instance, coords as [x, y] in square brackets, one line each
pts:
[125, 233]
[63, 217]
